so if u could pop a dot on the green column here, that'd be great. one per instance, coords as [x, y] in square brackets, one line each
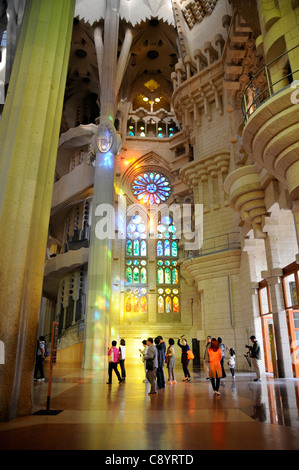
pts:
[29, 132]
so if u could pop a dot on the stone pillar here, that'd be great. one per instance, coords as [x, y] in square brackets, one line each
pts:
[106, 144]
[29, 132]
[274, 278]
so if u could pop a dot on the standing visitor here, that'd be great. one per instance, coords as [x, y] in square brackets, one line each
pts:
[222, 348]
[184, 360]
[232, 361]
[151, 359]
[206, 356]
[122, 357]
[143, 353]
[215, 369]
[255, 354]
[161, 349]
[40, 357]
[170, 361]
[113, 355]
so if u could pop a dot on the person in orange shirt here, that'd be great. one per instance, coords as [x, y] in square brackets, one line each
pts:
[215, 370]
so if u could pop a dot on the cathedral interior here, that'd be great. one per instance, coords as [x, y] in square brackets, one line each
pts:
[149, 187]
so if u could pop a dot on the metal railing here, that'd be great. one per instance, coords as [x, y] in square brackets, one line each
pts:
[257, 98]
[228, 241]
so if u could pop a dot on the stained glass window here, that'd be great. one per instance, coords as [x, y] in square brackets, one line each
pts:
[167, 268]
[160, 248]
[175, 303]
[129, 248]
[160, 276]
[136, 267]
[151, 188]
[160, 304]
[129, 276]
[168, 304]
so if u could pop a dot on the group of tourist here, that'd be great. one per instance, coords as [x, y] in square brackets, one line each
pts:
[155, 354]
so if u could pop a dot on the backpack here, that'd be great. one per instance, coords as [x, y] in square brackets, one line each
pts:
[47, 352]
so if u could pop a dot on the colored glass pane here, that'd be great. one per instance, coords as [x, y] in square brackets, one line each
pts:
[160, 304]
[136, 247]
[167, 276]
[159, 248]
[143, 248]
[175, 304]
[168, 304]
[129, 248]
[136, 303]
[160, 276]
[174, 249]
[135, 275]
[128, 303]
[143, 275]
[175, 276]
[167, 248]
[143, 304]
[129, 275]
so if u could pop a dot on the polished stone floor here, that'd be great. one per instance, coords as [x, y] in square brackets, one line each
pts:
[185, 416]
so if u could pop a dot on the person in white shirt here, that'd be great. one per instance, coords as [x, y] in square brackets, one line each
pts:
[122, 351]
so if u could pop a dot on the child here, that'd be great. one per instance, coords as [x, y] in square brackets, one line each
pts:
[232, 362]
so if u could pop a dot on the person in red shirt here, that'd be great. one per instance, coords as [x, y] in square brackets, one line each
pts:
[215, 370]
[113, 355]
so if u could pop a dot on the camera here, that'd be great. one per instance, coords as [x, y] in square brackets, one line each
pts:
[246, 346]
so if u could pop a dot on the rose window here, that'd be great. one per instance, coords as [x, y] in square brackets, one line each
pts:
[151, 188]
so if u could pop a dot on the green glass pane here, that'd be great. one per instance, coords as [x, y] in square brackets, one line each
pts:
[174, 249]
[136, 247]
[136, 276]
[167, 276]
[129, 248]
[160, 276]
[143, 275]
[129, 275]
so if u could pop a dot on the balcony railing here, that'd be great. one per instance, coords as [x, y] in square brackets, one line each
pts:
[253, 97]
[228, 241]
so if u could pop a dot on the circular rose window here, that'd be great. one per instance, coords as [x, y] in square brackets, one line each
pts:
[151, 188]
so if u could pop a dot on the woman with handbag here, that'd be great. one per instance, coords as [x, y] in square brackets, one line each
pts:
[185, 359]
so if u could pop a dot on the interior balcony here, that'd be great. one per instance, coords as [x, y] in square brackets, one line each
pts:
[61, 265]
[271, 128]
[246, 196]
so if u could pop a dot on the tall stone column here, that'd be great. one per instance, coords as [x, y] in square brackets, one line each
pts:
[29, 132]
[106, 144]
[274, 276]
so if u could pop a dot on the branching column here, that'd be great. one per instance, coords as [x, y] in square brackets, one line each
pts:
[106, 144]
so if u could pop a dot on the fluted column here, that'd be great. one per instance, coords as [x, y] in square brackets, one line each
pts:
[29, 132]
